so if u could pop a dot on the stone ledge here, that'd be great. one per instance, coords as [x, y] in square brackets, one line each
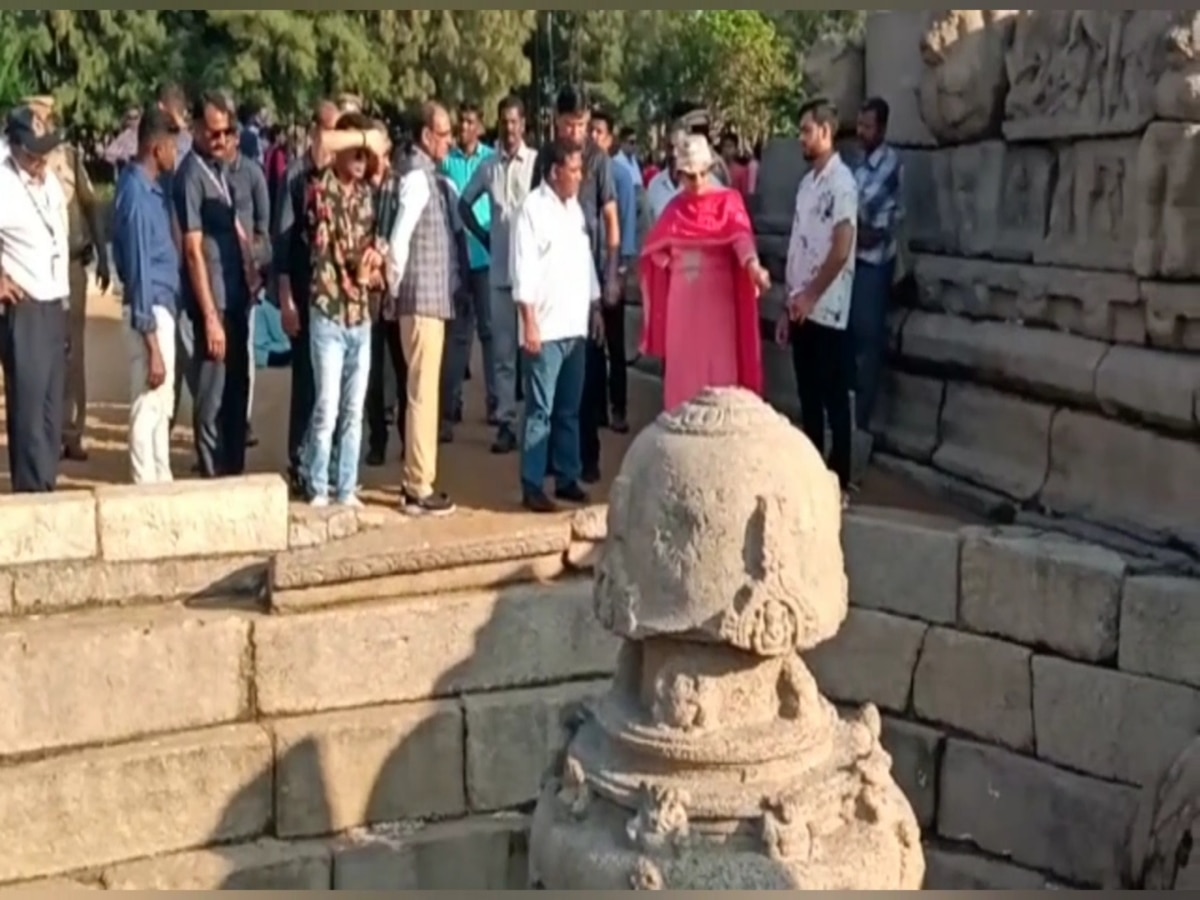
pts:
[98, 807]
[415, 548]
[393, 652]
[229, 516]
[70, 586]
[37, 528]
[308, 527]
[268, 865]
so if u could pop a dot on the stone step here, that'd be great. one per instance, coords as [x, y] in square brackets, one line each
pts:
[456, 554]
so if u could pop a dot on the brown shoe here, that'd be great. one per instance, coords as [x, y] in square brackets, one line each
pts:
[538, 502]
[74, 453]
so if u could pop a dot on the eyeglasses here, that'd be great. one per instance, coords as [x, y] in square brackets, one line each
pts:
[215, 133]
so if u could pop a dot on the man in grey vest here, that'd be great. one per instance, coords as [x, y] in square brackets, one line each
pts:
[426, 267]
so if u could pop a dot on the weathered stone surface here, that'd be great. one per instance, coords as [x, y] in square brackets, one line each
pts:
[1134, 726]
[1047, 364]
[1106, 306]
[477, 577]
[922, 224]
[961, 94]
[1160, 628]
[976, 685]
[49, 884]
[1168, 174]
[512, 738]
[1155, 387]
[227, 517]
[1177, 94]
[444, 544]
[344, 770]
[1172, 316]
[485, 853]
[1084, 73]
[583, 556]
[968, 499]
[514, 637]
[908, 414]
[953, 870]
[872, 660]
[1093, 214]
[98, 807]
[903, 563]
[835, 68]
[67, 586]
[6, 594]
[894, 68]
[590, 524]
[995, 440]
[1116, 474]
[1026, 184]
[37, 528]
[264, 866]
[969, 184]
[916, 753]
[104, 678]
[1042, 590]
[779, 174]
[1032, 813]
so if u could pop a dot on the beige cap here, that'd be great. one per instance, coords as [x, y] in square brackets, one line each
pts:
[694, 155]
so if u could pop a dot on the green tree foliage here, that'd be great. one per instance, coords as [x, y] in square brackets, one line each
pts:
[97, 63]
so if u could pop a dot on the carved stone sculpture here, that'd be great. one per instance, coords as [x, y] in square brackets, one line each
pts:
[714, 762]
[963, 87]
[835, 68]
[1177, 94]
[1159, 855]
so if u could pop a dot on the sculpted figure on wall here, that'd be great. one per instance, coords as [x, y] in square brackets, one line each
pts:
[963, 87]
[1084, 73]
[714, 763]
[1177, 94]
[835, 68]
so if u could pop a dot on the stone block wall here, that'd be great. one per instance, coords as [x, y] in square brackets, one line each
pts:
[1049, 361]
[187, 703]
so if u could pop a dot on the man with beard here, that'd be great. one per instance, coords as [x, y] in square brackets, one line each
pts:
[598, 199]
[820, 281]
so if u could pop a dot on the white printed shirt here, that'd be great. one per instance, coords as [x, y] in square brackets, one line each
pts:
[824, 200]
[33, 233]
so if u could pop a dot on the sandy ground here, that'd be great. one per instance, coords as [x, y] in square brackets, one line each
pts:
[478, 481]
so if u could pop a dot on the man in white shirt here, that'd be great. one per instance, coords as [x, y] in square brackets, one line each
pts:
[557, 292]
[820, 281]
[34, 287]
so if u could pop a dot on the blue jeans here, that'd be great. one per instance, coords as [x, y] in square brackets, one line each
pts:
[869, 333]
[553, 396]
[341, 361]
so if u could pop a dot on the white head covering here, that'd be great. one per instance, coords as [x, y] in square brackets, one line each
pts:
[694, 155]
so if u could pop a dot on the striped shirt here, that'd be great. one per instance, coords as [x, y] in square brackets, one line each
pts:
[880, 207]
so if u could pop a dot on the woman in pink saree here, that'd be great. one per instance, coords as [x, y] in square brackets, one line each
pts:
[701, 279]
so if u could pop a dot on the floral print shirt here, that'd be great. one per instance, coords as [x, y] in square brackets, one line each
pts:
[341, 231]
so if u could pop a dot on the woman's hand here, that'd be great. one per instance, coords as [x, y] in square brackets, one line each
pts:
[762, 278]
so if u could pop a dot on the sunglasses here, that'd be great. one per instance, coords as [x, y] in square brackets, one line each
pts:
[215, 133]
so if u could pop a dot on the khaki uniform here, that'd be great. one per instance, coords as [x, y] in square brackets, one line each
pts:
[67, 163]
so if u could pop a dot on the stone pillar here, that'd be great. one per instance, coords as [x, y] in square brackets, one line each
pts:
[714, 763]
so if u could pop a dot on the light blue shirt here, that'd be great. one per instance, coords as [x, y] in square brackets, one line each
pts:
[460, 168]
[627, 209]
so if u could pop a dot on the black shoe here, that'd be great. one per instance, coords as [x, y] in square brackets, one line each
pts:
[446, 434]
[251, 438]
[376, 457]
[572, 493]
[591, 475]
[619, 425]
[538, 502]
[74, 453]
[506, 442]
[436, 504]
[296, 486]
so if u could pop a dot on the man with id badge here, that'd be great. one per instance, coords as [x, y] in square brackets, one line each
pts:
[221, 278]
[34, 286]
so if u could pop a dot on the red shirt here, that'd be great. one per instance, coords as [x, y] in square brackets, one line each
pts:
[648, 174]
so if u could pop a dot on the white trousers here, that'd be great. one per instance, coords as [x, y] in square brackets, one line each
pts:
[150, 410]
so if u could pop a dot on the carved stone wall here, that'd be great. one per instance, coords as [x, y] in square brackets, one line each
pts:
[1048, 361]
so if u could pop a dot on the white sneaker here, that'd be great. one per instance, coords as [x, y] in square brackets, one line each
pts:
[319, 503]
[351, 502]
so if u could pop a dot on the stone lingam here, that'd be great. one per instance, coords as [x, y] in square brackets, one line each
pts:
[714, 763]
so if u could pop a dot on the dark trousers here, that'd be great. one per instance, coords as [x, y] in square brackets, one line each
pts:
[387, 391]
[221, 394]
[869, 333]
[471, 318]
[618, 367]
[593, 411]
[303, 395]
[820, 359]
[33, 352]
[553, 398]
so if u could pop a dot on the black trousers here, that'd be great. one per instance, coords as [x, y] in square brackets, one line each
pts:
[593, 411]
[222, 392]
[618, 367]
[821, 361]
[387, 391]
[33, 344]
[303, 396]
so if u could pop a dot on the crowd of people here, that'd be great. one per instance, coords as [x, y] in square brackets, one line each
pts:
[386, 264]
